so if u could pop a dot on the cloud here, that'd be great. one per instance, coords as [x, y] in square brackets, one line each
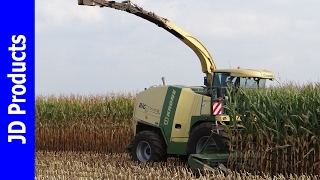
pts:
[282, 2]
[60, 13]
[92, 49]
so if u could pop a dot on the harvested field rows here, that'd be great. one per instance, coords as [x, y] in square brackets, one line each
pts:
[86, 165]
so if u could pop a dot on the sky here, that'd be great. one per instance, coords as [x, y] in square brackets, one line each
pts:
[93, 50]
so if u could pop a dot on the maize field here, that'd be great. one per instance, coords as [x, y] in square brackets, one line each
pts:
[100, 123]
[84, 137]
[280, 128]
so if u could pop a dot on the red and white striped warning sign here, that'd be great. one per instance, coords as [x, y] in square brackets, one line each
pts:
[216, 108]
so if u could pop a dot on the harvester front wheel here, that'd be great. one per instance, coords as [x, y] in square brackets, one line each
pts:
[147, 146]
[201, 133]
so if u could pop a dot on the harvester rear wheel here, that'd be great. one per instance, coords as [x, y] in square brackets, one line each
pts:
[147, 146]
[200, 134]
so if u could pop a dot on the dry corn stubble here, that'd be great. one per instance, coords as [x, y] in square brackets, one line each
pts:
[88, 165]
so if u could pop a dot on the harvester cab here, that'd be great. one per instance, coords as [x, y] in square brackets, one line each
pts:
[184, 121]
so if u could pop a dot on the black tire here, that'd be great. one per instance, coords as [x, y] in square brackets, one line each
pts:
[147, 146]
[200, 134]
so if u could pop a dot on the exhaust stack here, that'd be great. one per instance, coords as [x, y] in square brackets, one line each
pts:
[164, 82]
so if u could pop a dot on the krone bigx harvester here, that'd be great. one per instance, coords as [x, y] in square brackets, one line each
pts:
[181, 121]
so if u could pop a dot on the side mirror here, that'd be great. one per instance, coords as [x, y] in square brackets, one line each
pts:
[205, 81]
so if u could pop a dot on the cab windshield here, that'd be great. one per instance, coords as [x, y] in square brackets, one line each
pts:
[225, 79]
